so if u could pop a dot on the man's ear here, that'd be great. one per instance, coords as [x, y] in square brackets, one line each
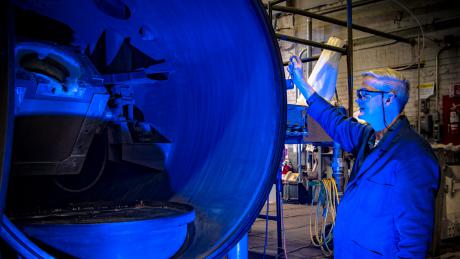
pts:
[390, 98]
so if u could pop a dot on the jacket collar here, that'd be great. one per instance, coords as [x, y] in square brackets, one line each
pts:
[383, 152]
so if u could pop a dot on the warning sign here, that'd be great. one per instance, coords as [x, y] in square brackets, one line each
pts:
[426, 90]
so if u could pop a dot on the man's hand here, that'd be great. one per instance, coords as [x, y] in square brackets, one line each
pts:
[296, 72]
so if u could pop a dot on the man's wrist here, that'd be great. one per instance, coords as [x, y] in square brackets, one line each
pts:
[306, 90]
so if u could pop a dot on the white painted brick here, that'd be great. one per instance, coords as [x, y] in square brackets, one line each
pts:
[384, 16]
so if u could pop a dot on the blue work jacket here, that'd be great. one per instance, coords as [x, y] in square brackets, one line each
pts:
[387, 210]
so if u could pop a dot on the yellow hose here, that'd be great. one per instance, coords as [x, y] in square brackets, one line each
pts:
[328, 199]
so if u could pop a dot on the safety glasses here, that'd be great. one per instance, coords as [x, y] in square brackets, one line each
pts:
[364, 94]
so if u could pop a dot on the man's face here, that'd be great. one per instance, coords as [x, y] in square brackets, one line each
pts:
[370, 103]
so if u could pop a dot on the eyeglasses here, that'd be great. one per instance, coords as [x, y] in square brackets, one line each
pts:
[364, 94]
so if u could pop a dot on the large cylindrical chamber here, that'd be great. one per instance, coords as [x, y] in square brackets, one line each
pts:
[213, 88]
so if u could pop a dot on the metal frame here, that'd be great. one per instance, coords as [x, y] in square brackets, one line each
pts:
[304, 60]
[341, 23]
[277, 218]
[350, 57]
[310, 43]
[348, 50]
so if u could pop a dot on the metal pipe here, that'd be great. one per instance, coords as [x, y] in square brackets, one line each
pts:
[278, 213]
[350, 57]
[308, 50]
[436, 115]
[448, 46]
[344, 7]
[309, 42]
[270, 9]
[342, 23]
[277, 2]
[309, 66]
[299, 160]
[304, 60]
[269, 217]
[319, 167]
[418, 85]
[270, 14]
[337, 168]
[307, 160]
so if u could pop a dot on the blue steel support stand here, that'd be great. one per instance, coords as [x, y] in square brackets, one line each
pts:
[240, 251]
[278, 216]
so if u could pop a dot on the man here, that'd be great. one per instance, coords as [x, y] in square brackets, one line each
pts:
[387, 210]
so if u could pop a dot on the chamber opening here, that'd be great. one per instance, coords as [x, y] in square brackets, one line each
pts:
[147, 120]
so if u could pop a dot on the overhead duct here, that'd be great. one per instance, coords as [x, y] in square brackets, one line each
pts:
[130, 111]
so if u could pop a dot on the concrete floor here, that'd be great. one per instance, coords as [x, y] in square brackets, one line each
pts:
[298, 244]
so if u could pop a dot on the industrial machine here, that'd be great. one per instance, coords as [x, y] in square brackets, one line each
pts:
[447, 217]
[134, 123]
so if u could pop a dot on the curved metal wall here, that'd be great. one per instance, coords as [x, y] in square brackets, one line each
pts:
[222, 105]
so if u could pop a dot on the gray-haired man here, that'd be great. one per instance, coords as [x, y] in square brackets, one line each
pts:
[387, 210]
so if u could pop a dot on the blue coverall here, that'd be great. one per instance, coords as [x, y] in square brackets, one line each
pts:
[387, 210]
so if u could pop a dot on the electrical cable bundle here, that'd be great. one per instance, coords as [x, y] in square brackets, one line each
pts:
[328, 200]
